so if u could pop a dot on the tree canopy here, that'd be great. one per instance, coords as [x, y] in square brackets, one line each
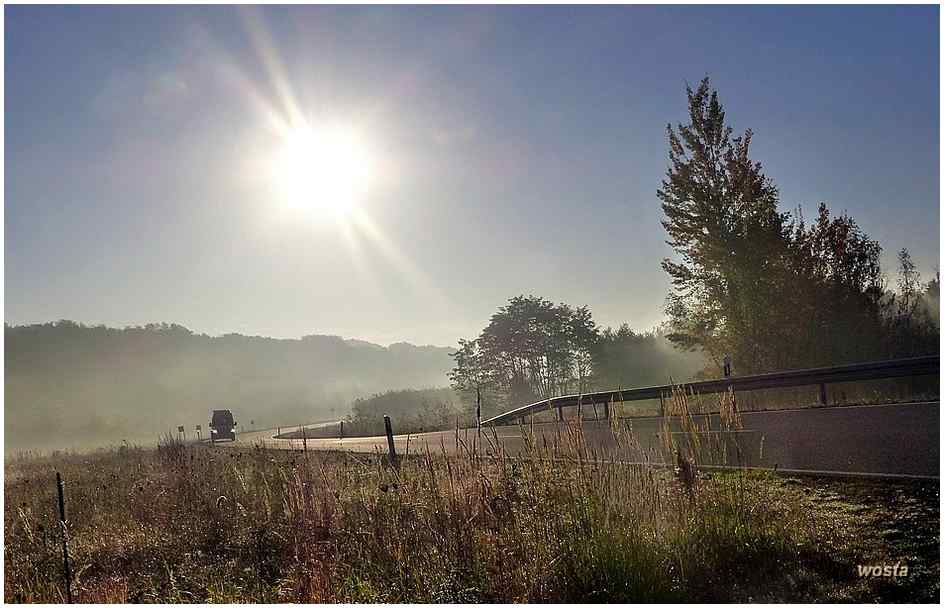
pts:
[533, 349]
[761, 285]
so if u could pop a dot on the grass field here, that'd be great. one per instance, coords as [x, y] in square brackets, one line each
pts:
[190, 523]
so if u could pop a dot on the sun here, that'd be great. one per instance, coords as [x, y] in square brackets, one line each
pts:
[323, 170]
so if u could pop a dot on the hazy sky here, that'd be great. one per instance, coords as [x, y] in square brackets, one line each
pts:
[512, 150]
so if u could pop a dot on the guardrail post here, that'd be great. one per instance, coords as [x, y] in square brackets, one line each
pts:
[391, 453]
[560, 413]
[606, 410]
[823, 393]
[341, 430]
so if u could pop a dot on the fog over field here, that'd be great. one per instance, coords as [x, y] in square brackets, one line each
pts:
[69, 385]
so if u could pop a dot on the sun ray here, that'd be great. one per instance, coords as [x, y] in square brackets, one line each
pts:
[404, 266]
[259, 35]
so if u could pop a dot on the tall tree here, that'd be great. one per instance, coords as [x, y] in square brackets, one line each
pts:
[722, 220]
[835, 290]
[582, 339]
[532, 349]
[765, 288]
[473, 379]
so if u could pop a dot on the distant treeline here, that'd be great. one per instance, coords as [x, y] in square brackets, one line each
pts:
[611, 358]
[69, 384]
[529, 334]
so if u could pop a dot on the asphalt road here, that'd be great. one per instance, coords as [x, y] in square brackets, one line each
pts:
[900, 440]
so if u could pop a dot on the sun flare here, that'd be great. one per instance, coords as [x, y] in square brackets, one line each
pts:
[323, 170]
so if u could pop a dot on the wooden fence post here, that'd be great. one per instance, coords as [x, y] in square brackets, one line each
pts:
[390, 441]
[65, 535]
[341, 430]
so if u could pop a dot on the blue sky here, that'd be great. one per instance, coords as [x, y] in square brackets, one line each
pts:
[515, 150]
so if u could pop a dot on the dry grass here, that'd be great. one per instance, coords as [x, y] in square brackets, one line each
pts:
[187, 523]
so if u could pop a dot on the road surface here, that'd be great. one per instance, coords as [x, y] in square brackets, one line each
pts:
[900, 440]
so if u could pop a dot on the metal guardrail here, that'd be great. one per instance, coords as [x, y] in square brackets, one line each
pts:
[876, 370]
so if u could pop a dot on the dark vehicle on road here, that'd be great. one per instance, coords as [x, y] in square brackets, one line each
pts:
[222, 426]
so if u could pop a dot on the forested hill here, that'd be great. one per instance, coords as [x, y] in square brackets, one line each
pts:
[73, 385]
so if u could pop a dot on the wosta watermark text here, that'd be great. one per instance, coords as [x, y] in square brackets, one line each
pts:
[883, 570]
